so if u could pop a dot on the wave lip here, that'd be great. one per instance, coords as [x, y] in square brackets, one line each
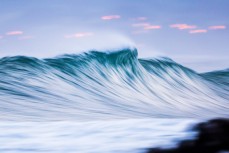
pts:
[104, 85]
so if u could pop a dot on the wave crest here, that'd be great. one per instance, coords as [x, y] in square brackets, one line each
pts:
[98, 85]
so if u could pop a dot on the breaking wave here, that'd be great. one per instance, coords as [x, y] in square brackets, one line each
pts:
[108, 85]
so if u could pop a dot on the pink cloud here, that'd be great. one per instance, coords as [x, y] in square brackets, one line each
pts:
[79, 35]
[183, 26]
[110, 17]
[198, 31]
[1, 37]
[151, 27]
[146, 26]
[217, 27]
[140, 24]
[142, 18]
[25, 37]
[11, 33]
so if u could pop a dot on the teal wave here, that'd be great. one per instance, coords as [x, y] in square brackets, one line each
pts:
[101, 85]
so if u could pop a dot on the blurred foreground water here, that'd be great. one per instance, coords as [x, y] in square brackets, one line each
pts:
[122, 136]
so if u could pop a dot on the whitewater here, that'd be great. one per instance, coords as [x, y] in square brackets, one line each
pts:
[103, 102]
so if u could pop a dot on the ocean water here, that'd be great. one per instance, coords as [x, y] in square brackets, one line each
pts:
[104, 102]
[112, 136]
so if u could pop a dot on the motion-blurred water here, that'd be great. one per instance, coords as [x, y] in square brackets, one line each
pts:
[103, 102]
[111, 136]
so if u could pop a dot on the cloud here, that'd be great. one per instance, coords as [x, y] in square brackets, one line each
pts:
[11, 33]
[110, 17]
[25, 37]
[140, 24]
[146, 26]
[1, 37]
[217, 27]
[79, 35]
[151, 27]
[198, 31]
[142, 18]
[183, 26]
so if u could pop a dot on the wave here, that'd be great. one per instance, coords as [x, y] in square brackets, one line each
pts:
[108, 85]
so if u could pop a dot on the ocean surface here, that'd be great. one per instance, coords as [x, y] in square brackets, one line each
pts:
[104, 102]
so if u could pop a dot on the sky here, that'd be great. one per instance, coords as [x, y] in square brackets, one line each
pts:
[194, 33]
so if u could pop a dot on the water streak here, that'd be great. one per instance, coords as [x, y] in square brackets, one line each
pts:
[108, 85]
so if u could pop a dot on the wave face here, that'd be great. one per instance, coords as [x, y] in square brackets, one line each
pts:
[111, 85]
